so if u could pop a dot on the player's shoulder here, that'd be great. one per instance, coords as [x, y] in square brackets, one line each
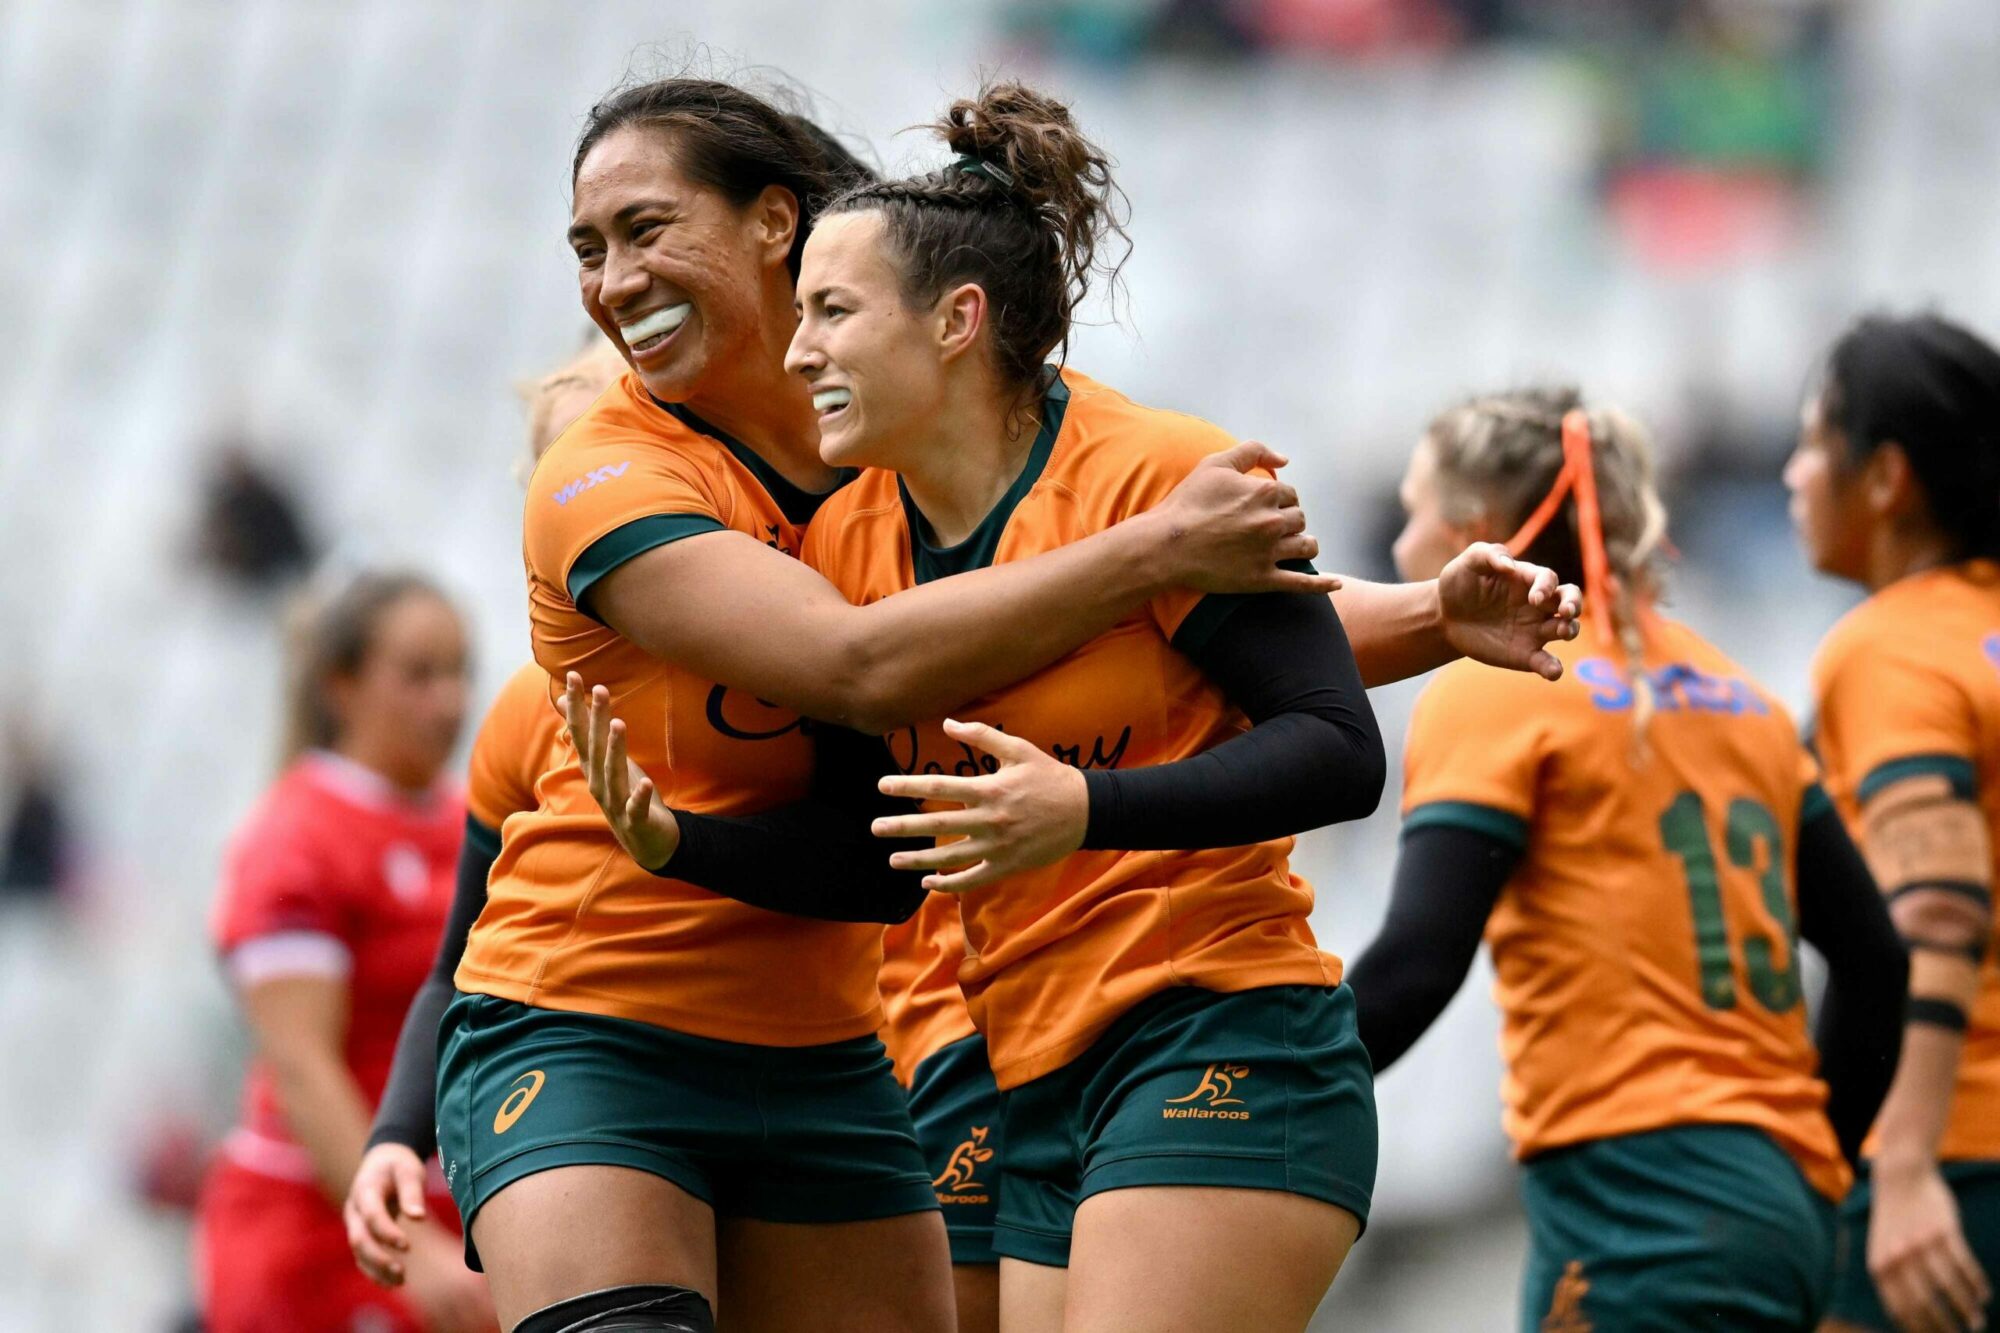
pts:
[1889, 634]
[1114, 457]
[520, 710]
[853, 519]
[1102, 423]
[622, 429]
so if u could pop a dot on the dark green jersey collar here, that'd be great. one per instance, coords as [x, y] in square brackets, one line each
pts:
[794, 502]
[977, 551]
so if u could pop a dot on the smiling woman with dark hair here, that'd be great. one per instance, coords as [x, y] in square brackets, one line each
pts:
[685, 1089]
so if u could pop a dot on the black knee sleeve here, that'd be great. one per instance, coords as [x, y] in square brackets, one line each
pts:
[653, 1308]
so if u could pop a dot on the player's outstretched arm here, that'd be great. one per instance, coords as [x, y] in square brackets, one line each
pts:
[1486, 605]
[733, 610]
[1312, 756]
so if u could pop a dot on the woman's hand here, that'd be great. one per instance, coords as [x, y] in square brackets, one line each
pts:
[644, 826]
[450, 1297]
[388, 1187]
[1227, 525]
[1502, 611]
[1923, 1269]
[1029, 811]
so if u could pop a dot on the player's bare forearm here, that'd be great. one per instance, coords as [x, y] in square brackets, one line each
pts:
[327, 1115]
[1919, 1102]
[1397, 630]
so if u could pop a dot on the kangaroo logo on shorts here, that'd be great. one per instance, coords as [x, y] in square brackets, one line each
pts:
[518, 1100]
[961, 1172]
[1566, 1307]
[1219, 1086]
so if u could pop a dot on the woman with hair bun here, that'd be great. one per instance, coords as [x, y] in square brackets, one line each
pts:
[685, 1091]
[1641, 845]
[1896, 487]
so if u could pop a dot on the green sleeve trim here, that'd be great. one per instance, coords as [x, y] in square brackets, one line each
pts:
[1815, 804]
[1209, 614]
[482, 840]
[1504, 825]
[636, 538]
[1955, 769]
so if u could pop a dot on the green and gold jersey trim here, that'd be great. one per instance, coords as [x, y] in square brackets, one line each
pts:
[625, 542]
[1502, 825]
[796, 503]
[977, 551]
[1955, 769]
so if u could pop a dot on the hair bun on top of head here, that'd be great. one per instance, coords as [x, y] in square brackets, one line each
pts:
[979, 166]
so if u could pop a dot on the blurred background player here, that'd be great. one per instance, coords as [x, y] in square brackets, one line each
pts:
[1642, 844]
[1895, 486]
[510, 752]
[336, 891]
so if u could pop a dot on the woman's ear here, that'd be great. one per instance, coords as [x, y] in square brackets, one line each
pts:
[1889, 482]
[960, 316]
[775, 215]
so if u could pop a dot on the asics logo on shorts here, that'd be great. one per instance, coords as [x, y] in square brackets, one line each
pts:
[518, 1100]
[960, 1172]
[597, 476]
[1566, 1307]
[1216, 1085]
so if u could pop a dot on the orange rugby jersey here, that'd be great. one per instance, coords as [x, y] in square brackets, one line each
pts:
[1908, 683]
[923, 1009]
[512, 748]
[1644, 946]
[1054, 956]
[571, 922]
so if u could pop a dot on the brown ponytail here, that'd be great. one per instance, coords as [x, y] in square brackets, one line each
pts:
[1025, 212]
[332, 636]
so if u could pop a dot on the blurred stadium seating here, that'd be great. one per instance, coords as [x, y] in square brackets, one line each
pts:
[335, 230]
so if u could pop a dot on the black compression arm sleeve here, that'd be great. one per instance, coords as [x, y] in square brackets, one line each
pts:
[813, 857]
[408, 1113]
[1860, 1030]
[1312, 756]
[1447, 880]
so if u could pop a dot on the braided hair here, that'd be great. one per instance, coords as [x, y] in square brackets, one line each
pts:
[1025, 212]
[1499, 455]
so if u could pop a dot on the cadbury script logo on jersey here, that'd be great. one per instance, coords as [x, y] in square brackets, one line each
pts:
[904, 749]
[597, 476]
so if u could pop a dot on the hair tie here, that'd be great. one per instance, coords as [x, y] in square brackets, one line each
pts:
[1578, 474]
[979, 166]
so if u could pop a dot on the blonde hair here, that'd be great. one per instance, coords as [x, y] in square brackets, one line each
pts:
[1499, 455]
[594, 368]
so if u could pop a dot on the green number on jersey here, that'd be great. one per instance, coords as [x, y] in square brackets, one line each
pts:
[1684, 829]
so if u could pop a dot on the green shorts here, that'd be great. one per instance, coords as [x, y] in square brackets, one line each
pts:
[782, 1134]
[956, 1106]
[1976, 1186]
[1257, 1089]
[1695, 1227]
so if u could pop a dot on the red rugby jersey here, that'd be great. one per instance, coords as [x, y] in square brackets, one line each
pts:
[335, 873]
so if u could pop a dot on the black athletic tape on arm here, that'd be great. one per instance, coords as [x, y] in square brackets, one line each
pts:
[1935, 1013]
[1918, 944]
[1960, 888]
[649, 1308]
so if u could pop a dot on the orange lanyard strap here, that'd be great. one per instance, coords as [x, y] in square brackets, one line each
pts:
[1578, 475]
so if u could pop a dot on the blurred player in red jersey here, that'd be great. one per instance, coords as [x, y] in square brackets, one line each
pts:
[508, 757]
[334, 895]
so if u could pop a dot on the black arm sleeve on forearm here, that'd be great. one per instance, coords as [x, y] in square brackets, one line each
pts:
[408, 1113]
[1860, 1029]
[1313, 754]
[1447, 880]
[814, 857]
